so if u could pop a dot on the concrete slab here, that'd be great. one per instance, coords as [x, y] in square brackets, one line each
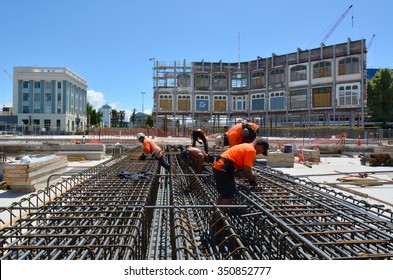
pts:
[332, 168]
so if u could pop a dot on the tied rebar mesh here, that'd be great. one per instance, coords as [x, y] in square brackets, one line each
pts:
[152, 214]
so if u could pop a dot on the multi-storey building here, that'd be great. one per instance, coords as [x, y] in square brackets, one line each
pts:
[49, 99]
[106, 111]
[321, 86]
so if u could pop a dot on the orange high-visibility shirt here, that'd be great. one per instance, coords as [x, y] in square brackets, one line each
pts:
[241, 155]
[234, 134]
[149, 146]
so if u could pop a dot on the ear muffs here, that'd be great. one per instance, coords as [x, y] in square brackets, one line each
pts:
[245, 132]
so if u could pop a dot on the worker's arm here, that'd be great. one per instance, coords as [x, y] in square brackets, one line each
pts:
[249, 175]
[199, 163]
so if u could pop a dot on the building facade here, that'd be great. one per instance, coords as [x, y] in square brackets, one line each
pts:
[106, 111]
[325, 86]
[49, 100]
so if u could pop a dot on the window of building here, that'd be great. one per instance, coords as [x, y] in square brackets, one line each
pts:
[220, 103]
[322, 69]
[258, 102]
[37, 102]
[348, 95]
[26, 109]
[48, 103]
[239, 80]
[238, 103]
[220, 82]
[322, 97]
[37, 84]
[298, 99]
[349, 65]
[184, 102]
[201, 81]
[48, 85]
[59, 85]
[165, 102]
[258, 80]
[184, 80]
[277, 100]
[277, 76]
[25, 84]
[202, 103]
[26, 97]
[59, 102]
[298, 73]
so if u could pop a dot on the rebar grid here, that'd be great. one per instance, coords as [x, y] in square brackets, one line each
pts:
[98, 214]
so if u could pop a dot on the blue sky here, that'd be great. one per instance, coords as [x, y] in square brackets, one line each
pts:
[109, 43]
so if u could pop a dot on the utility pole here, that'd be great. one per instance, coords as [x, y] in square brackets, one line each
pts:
[143, 94]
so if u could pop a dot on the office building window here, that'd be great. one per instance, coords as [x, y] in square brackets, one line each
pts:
[202, 103]
[298, 99]
[277, 76]
[258, 102]
[25, 84]
[220, 82]
[220, 103]
[349, 65]
[277, 100]
[37, 84]
[258, 80]
[322, 69]
[322, 97]
[298, 73]
[239, 80]
[238, 103]
[348, 95]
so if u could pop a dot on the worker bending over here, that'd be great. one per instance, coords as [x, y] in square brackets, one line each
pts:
[195, 158]
[149, 146]
[239, 157]
[198, 135]
[244, 132]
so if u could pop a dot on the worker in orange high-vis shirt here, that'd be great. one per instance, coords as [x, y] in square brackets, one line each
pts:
[244, 132]
[236, 158]
[149, 146]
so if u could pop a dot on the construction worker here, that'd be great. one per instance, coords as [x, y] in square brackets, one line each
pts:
[195, 157]
[237, 158]
[197, 134]
[244, 132]
[149, 146]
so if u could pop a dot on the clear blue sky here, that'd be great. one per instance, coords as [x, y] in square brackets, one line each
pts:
[109, 43]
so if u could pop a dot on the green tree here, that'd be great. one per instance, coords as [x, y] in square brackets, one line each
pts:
[132, 118]
[380, 96]
[149, 121]
[95, 117]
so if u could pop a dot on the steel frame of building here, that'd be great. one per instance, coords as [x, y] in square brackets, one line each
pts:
[278, 91]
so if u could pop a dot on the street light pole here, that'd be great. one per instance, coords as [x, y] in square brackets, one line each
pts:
[143, 93]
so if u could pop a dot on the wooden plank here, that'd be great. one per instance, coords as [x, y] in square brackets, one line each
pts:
[35, 175]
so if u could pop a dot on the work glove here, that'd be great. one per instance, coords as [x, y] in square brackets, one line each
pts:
[142, 156]
[253, 183]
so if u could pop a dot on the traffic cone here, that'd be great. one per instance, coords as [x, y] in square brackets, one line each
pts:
[301, 158]
[359, 142]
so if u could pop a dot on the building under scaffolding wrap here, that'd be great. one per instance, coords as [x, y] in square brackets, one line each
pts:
[325, 86]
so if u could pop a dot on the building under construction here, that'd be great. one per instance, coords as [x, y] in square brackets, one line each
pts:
[325, 86]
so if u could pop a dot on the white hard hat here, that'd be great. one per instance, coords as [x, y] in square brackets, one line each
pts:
[220, 141]
[140, 135]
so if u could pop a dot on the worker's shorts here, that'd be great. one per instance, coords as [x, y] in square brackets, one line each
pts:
[225, 183]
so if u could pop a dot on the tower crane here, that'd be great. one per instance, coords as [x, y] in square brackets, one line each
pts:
[369, 43]
[8, 75]
[336, 24]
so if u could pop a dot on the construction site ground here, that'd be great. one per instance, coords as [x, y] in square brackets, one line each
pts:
[339, 171]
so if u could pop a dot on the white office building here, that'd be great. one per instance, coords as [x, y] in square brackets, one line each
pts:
[49, 100]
